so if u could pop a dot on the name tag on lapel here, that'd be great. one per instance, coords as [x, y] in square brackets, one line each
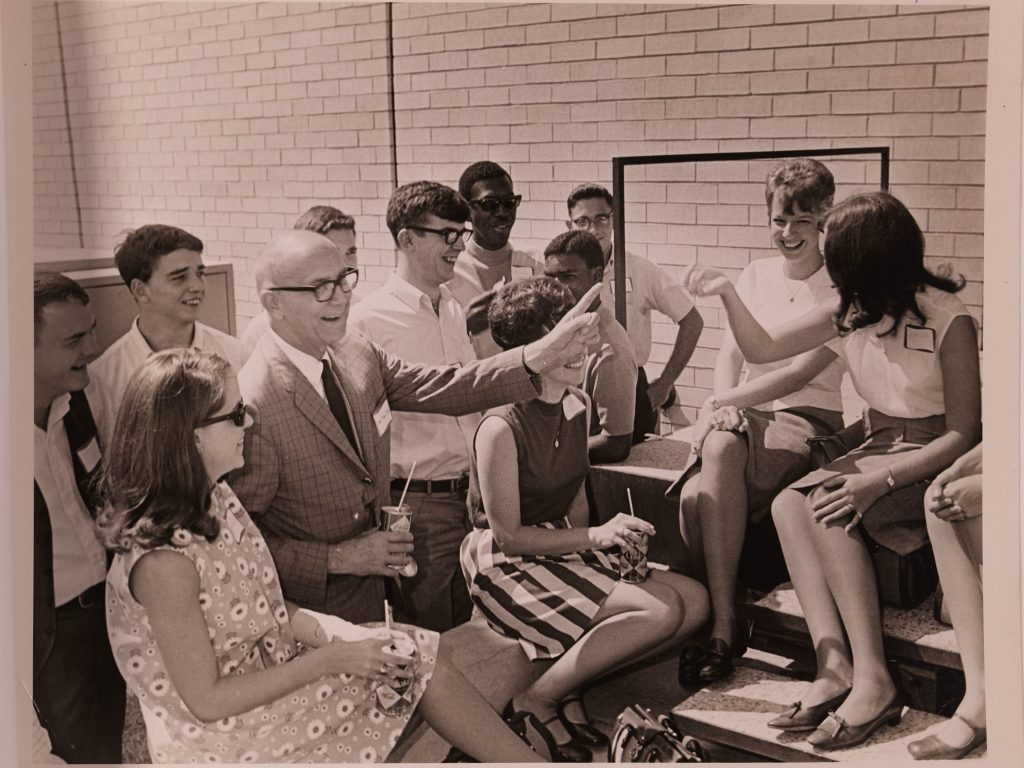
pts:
[521, 273]
[919, 339]
[382, 417]
[90, 455]
[572, 407]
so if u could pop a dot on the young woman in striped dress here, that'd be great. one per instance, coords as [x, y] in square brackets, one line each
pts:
[535, 569]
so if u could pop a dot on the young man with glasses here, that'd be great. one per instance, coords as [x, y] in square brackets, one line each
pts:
[414, 316]
[647, 287]
[163, 269]
[318, 457]
[489, 260]
[336, 226]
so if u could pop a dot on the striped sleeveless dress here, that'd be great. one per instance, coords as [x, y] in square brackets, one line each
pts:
[546, 602]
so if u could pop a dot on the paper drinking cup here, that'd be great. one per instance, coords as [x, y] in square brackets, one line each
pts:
[399, 519]
[392, 697]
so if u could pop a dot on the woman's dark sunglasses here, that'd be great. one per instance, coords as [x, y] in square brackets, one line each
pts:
[237, 416]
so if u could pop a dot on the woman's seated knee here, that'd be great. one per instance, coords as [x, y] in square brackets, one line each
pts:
[723, 446]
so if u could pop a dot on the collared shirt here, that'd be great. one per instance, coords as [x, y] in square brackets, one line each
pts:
[478, 270]
[648, 287]
[79, 560]
[400, 318]
[115, 367]
[312, 369]
[609, 377]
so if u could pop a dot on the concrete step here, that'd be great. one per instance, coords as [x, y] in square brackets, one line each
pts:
[734, 714]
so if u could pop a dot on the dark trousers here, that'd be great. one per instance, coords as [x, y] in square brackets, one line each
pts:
[645, 418]
[437, 596]
[79, 692]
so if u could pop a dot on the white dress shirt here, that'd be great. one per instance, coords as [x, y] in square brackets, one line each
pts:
[400, 318]
[79, 560]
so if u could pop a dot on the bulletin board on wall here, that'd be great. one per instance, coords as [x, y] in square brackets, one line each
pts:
[115, 308]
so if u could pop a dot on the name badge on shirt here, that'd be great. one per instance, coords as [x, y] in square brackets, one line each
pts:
[90, 455]
[521, 273]
[382, 417]
[919, 339]
[629, 285]
[572, 407]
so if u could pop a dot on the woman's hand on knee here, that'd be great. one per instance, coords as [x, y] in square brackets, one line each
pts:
[956, 500]
[844, 499]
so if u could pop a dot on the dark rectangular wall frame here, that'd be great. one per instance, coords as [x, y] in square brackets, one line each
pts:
[619, 191]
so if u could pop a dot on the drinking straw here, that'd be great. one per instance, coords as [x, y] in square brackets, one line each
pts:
[405, 490]
[629, 495]
[387, 615]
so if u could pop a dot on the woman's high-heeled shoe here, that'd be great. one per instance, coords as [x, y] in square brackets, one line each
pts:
[931, 747]
[584, 732]
[531, 730]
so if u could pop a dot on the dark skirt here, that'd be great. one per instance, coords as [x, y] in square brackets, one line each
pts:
[896, 520]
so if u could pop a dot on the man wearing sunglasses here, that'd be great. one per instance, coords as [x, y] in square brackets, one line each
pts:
[489, 260]
[647, 287]
[414, 316]
[163, 269]
[318, 457]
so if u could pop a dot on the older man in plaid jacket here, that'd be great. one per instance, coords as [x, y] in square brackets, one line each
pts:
[317, 459]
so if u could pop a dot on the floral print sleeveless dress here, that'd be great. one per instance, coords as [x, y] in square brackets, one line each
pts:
[333, 720]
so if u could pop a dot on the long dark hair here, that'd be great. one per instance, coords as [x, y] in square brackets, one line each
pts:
[874, 253]
[154, 481]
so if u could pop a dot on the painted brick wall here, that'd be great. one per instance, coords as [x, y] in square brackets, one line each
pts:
[231, 119]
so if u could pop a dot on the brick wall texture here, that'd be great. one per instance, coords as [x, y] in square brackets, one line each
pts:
[231, 119]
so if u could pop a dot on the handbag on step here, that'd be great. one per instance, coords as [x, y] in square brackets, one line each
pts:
[641, 738]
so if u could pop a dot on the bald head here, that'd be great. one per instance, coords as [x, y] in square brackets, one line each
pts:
[286, 251]
[300, 259]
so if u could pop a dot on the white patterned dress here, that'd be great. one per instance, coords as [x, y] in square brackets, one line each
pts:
[333, 720]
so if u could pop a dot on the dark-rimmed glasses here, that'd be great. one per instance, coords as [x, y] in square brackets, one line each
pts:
[491, 204]
[451, 236]
[585, 222]
[236, 416]
[324, 291]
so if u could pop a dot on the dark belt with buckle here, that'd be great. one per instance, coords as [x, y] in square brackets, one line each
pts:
[91, 598]
[455, 485]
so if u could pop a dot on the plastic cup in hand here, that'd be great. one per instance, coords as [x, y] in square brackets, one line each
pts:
[633, 559]
[399, 519]
[392, 694]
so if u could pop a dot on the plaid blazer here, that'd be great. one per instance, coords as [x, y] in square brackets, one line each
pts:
[304, 484]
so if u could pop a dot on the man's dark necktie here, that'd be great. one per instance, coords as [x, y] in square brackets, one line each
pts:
[337, 404]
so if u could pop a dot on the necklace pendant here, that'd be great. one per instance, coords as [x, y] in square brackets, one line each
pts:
[556, 442]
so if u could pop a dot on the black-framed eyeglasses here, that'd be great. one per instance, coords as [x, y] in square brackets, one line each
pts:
[237, 416]
[324, 291]
[451, 236]
[585, 222]
[491, 204]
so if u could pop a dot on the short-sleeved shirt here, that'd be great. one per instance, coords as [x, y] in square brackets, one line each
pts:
[609, 378]
[774, 299]
[900, 374]
[648, 287]
[478, 270]
[115, 367]
[400, 319]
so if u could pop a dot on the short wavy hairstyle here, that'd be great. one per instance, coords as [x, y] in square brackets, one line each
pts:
[526, 310]
[137, 255]
[52, 288]
[588, 191]
[154, 480]
[323, 219]
[802, 180]
[411, 202]
[874, 253]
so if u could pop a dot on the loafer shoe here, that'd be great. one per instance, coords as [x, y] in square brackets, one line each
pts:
[931, 747]
[800, 718]
[835, 733]
[691, 659]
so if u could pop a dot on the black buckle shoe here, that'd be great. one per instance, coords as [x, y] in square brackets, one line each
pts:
[583, 732]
